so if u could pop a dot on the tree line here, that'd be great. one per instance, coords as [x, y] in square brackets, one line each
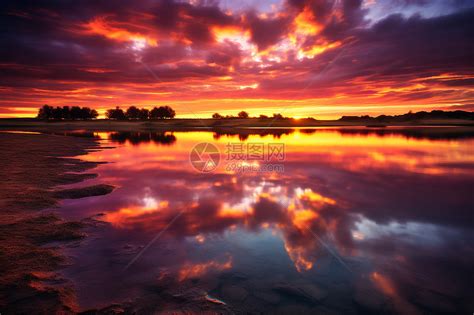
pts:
[410, 116]
[244, 114]
[85, 113]
[67, 113]
[135, 113]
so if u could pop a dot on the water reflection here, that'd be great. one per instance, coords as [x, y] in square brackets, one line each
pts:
[243, 134]
[142, 137]
[430, 133]
[357, 222]
[167, 137]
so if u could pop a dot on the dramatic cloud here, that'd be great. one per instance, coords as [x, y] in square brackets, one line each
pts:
[304, 57]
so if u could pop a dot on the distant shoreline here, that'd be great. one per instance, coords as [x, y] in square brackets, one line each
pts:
[183, 124]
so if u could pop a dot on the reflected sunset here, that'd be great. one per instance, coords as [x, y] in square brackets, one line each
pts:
[315, 216]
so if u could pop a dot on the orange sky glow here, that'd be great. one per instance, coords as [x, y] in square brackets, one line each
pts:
[309, 58]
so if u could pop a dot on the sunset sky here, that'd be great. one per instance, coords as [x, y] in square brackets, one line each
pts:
[321, 58]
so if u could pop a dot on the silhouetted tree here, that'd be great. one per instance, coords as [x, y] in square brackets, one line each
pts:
[243, 114]
[277, 116]
[155, 113]
[66, 112]
[116, 114]
[45, 112]
[144, 114]
[76, 112]
[263, 116]
[170, 113]
[93, 114]
[88, 113]
[58, 113]
[162, 112]
[217, 116]
[133, 113]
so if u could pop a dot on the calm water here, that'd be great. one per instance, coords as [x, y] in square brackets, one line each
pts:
[358, 220]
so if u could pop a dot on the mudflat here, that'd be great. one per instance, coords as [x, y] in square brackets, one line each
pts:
[30, 238]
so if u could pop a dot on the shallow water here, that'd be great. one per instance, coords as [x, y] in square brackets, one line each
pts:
[352, 220]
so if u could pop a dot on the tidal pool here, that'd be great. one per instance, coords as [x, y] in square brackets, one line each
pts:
[352, 220]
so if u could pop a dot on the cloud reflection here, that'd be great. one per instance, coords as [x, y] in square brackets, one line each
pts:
[372, 202]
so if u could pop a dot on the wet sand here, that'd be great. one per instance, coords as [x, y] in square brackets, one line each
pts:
[31, 239]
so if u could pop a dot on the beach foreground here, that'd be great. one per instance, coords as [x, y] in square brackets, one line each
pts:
[34, 165]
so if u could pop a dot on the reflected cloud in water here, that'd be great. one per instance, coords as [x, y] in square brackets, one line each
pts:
[395, 207]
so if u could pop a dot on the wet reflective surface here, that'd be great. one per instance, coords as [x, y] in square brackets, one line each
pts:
[360, 220]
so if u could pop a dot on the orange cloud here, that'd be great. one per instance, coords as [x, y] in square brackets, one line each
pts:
[101, 26]
[196, 270]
